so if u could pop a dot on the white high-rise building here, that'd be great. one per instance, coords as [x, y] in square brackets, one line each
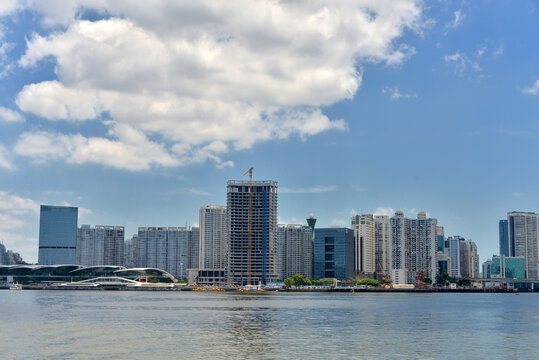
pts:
[166, 248]
[102, 245]
[365, 247]
[400, 231]
[454, 255]
[382, 239]
[524, 240]
[413, 244]
[212, 249]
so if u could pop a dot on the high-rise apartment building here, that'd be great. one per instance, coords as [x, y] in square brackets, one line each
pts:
[102, 245]
[400, 232]
[382, 240]
[298, 250]
[57, 235]
[193, 247]
[2, 254]
[212, 250]
[167, 249]
[334, 253]
[261, 251]
[524, 240]
[414, 245]
[131, 252]
[453, 250]
[469, 260]
[504, 237]
[364, 243]
[281, 253]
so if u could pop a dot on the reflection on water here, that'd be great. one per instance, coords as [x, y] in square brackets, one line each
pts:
[182, 325]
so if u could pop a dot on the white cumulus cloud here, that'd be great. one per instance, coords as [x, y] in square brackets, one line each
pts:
[8, 115]
[4, 159]
[395, 93]
[459, 16]
[186, 75]
[532, 90]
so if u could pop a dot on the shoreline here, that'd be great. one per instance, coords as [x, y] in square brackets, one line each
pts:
[336, 290]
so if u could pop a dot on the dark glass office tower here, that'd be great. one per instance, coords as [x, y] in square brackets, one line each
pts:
[57, 235]
[504, 238]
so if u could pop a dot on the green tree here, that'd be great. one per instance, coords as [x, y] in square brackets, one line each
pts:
[427, 280]
[443, 278]
[289, 282]
[368, 282]
[323, 282]
[300, 280]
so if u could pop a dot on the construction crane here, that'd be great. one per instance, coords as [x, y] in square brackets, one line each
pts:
[421, 274]
[250, 172]
[388, 281]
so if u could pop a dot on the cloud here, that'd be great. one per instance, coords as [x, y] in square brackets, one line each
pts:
[532, 90]
[185, 75]
[8, 115]
[481, 50]
[395, 94]
[340, 222]
[293, 220]
[382, 210]
[199, 192]
[16, 205]
[17, 214]
[461, 63]
[4, 159]
[308, 190]
[127, 148]
[517, 194]
[459, 16]
[358, 187]
[498, 52]
[82, 211]
[10, 222]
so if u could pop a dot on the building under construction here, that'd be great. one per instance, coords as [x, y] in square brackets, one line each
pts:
[252, 231]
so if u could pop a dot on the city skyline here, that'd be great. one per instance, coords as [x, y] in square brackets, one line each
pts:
[432, 114]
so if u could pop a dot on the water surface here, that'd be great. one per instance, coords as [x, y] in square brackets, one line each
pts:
[185, 325]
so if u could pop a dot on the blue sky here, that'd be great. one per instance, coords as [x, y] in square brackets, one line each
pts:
[139, 114]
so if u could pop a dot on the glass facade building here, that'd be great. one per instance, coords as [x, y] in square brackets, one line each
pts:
[57, 235]
[504, 237]
[508, 267]
[334, 253]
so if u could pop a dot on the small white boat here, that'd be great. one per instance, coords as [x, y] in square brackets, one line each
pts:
[15, 286]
